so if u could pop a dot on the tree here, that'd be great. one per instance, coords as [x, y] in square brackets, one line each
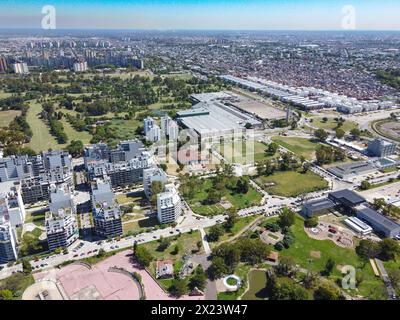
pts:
[286, 218]
[26, 266]
[272, 148]
[143, 256]
[339, 132]
[242, 185]
[156, 188]
[389, 248]
[394, 276]
[286, 267]
[355, 132]
[232, 218]
[6, 294]
[215, 233]
[75, 148]
[178, 287]
[164, 244]
[176, 250]
[252, 251]
[321, 134]
[282, 289]
[311, 280]
[367, 249]
[218, 268]
[199, 245]
[214, 196]
[311, 222]
[102, 253]
[365, 185]
[199, 279]
[330, 264]
[327, 291]
[379, 203]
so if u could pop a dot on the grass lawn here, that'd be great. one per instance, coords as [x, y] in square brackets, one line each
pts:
[41, 139]
[125, 129]
[292, 183]
[299, 146]
[7, 116]
[239, 225]
[130, 198]
[331, 124]
[240, 201]
[73, 134]
[243, 153]
[4, 95]
[186, 243]
[17, 283]
[300, 251]
[139, 225]
[38, 218]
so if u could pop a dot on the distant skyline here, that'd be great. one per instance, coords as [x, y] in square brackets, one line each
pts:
[206, 14]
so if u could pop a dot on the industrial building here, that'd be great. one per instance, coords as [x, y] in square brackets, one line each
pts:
[215, 119]
[358, 226]
[378, 222]
[346, 199]
[317, 207]
[350, 170]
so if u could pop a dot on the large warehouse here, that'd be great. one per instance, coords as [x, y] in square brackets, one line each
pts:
[215, 119]
[378, 222]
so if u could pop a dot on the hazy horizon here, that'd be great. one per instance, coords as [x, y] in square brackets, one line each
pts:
[265, 15]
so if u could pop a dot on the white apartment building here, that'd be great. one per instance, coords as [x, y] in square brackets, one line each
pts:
[60, 198]
[149, 176]
[61, 228]
[169, 206]
[101, 192]
[154, 134]
[107, 220]
[20, 68]
[8, 242]
[12, 207]
[80, 66]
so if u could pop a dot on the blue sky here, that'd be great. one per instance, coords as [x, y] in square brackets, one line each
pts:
[206, 14]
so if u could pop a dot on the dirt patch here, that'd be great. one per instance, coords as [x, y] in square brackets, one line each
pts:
[315, 254]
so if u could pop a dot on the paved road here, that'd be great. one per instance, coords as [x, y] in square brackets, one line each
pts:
[389, 287]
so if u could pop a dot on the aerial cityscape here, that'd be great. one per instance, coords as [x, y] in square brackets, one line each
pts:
[198, 163]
